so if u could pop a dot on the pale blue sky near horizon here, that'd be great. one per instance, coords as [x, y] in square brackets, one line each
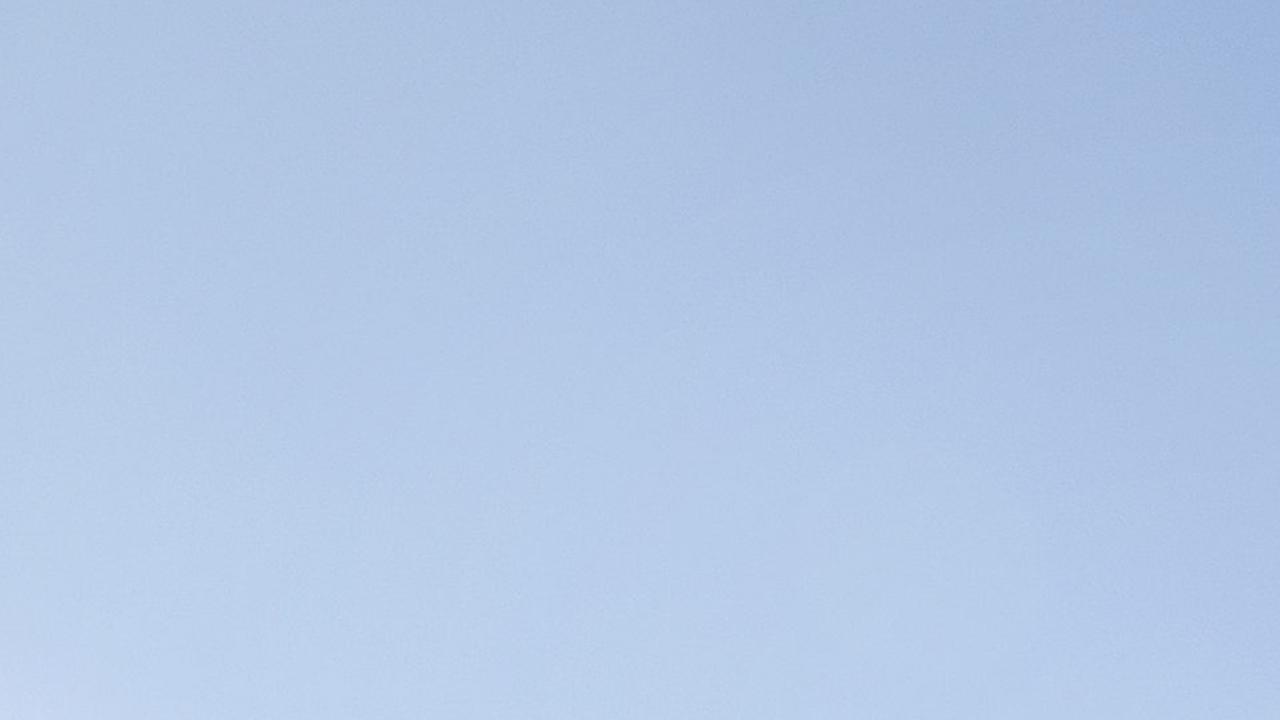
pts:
[639, 360]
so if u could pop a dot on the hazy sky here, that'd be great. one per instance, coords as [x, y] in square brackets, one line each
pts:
[708, 360]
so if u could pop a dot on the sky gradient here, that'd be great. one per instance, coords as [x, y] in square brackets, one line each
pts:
[716, 360]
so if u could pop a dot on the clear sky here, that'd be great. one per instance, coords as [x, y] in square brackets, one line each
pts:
[705, 360]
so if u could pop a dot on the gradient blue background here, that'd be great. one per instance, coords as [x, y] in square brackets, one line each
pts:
[639, 360]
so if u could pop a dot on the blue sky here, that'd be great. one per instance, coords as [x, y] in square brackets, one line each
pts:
[639, 360]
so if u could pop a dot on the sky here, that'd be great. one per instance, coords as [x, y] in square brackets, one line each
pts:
[715, 360]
